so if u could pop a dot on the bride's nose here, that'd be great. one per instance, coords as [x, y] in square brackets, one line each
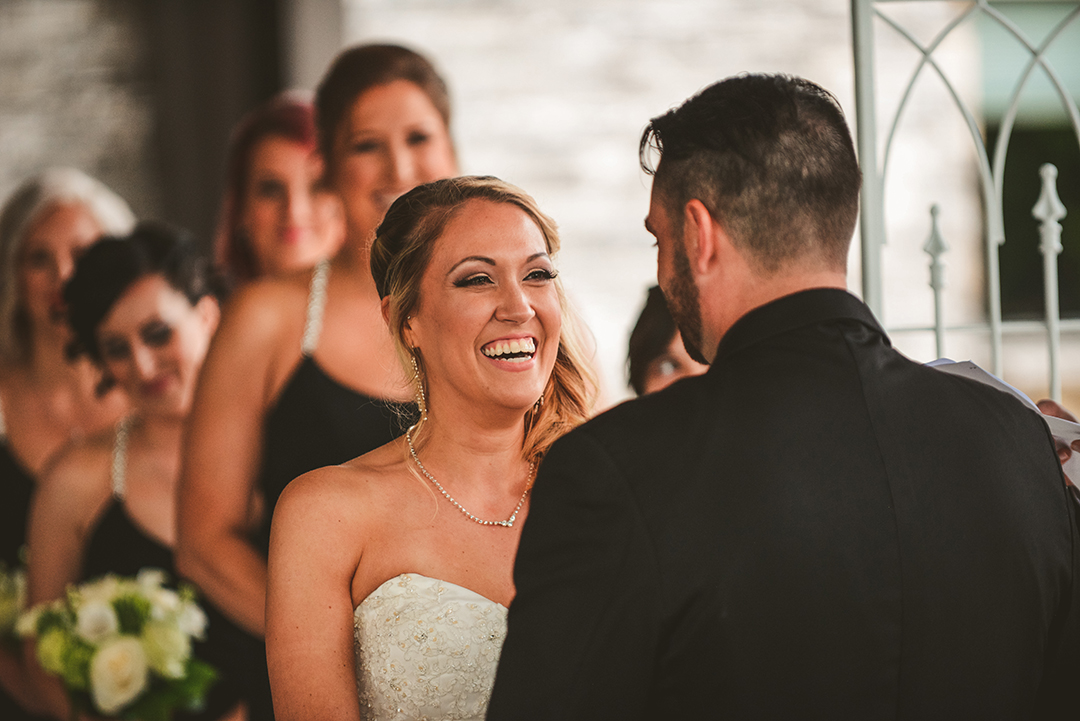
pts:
[514, 305]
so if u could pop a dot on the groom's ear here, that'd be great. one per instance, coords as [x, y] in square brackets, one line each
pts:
[709, 248]
[700, 236]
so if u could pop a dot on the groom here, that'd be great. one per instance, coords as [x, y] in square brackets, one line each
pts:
[817, 528]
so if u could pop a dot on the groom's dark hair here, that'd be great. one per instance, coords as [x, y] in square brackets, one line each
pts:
[772, 159]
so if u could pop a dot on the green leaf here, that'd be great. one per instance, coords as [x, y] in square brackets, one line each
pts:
[188, 592]
[77, 664]
[50, 619]
[198, 679]
[151, 707]
[81, 703]
[132, 611]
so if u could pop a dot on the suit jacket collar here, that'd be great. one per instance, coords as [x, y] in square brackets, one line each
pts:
[807, 307]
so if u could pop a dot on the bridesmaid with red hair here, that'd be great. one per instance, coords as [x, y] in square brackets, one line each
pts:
[276, 217]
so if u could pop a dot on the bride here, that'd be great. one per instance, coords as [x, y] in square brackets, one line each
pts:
[390, 575]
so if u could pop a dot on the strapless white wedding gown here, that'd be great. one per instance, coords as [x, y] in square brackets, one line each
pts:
[426, 649]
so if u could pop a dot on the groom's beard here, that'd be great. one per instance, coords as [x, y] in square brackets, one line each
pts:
[684, 302]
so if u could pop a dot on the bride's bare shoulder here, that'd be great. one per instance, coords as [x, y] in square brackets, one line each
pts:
[343, 492]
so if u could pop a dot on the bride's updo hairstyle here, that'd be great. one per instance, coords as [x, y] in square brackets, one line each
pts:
[399, 257]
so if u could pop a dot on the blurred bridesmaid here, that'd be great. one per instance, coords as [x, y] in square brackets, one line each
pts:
[303, 373]
[46, 399]
[276, 217]
[657, 357]
[143, 310]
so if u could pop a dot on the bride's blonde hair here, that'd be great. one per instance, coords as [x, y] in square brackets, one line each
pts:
[400, 254]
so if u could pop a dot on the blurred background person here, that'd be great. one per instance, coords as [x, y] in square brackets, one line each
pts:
[143, 310]
[303, 372]
[46, 399]
[276, 217]
[657, 356]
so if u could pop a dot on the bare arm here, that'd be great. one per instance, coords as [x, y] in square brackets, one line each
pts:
[314, 554]
[17, 684]
[70, 497]
[221, 457]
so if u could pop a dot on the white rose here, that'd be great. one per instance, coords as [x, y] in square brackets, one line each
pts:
[164, 602]
[104, 589]
[96, 621]
[192, 620]
[150, 578]
[26, 625]
[167, 648]
[118, 674]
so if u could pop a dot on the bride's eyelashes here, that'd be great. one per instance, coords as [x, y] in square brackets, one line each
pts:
[542, 274]
[479, 279]
[475, 280]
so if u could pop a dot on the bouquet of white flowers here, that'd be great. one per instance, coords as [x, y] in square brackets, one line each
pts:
[122, 646]
[12, 600]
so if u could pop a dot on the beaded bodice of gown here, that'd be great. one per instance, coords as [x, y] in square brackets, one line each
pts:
[426, 649]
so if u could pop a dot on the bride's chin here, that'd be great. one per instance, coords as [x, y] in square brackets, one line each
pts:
[518, 405]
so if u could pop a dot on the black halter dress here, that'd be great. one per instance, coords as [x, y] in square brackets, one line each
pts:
[119, 546]
[314, 422]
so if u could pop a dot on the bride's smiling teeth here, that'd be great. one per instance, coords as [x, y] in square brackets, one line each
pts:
[518, 349]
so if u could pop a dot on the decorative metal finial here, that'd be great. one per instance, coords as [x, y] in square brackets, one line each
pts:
[1049, 210]
[936, 247]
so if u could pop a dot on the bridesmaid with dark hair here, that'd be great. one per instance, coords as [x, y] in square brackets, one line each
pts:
[302, 373]
[276, 218]
[143, 310]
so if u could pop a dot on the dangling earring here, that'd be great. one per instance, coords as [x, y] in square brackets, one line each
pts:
[539, 404]
[421, 399]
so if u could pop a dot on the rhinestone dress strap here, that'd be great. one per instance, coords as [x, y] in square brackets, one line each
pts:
[119, 458]
[315, 307]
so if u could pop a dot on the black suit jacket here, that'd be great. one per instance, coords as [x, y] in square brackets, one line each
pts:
[816, 528]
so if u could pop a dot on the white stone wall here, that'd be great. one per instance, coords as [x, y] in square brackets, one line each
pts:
[73, 91]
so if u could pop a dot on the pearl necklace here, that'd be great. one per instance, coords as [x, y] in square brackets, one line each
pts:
[508, 523]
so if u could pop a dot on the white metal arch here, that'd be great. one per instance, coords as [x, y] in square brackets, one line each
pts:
[1048, 211]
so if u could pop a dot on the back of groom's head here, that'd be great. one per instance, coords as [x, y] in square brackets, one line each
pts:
[771, 157]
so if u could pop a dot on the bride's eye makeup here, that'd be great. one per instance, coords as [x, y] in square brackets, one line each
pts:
[474, 280]
[542, 274]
